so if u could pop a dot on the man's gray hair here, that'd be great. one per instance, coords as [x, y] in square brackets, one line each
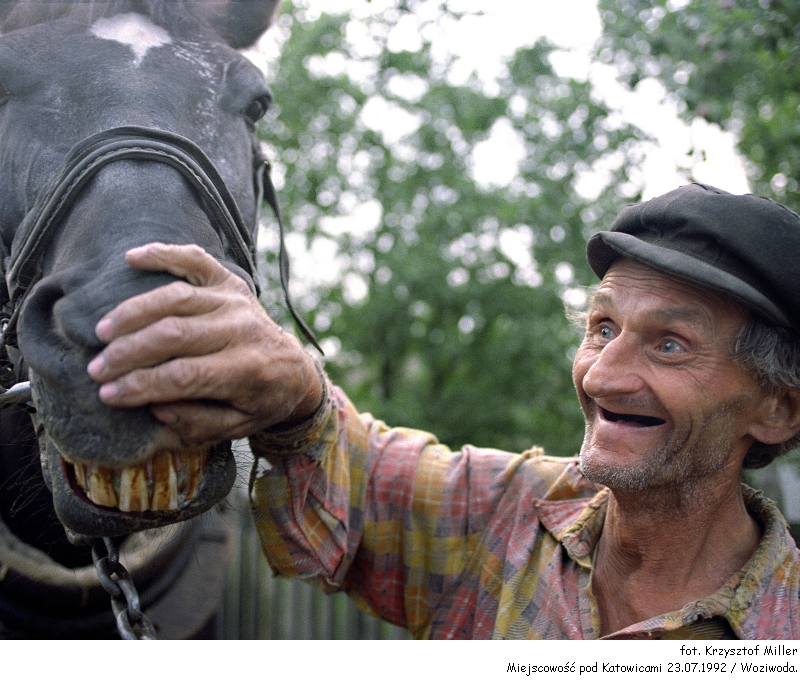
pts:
[772, 354]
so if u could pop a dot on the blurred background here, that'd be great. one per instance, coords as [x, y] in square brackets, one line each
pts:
[440, 166]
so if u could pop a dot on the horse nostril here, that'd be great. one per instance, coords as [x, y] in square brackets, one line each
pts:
[36, 315]
[55, 315]
[75, 324]
[63, 309]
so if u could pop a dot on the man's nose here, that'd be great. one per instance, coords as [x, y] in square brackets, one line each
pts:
[616, 369]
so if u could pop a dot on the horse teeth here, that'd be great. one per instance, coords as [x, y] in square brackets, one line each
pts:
[100, 487]
[80, 475]
[164, 482]
[133, 496]
[195, 466]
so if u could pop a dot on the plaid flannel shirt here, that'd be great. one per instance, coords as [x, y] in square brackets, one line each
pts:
[476, 543]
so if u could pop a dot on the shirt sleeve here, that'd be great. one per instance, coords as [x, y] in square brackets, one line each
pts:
[387, 514]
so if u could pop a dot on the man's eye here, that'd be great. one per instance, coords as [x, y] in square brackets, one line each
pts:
[606, 333]
[670, 347]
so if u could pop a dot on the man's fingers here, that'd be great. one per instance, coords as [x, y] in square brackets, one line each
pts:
[188, 262]
[202, 422]
[174, 299]
[213, 376]
[179, 379]
[159, 342]
[201, 352]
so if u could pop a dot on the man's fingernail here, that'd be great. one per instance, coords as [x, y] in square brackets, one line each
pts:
[109, 391]
[104, 330]
[165, 416]
[96, 366]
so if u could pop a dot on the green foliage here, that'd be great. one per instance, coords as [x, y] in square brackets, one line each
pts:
[732, 62]
[446, 310]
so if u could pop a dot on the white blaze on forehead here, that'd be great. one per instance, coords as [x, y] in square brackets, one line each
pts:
[134, 30]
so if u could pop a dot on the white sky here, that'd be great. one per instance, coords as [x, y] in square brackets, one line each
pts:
[483, 42]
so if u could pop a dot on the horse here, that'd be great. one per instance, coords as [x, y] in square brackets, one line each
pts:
[122, 122]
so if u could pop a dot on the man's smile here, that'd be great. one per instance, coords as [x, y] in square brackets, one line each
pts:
[630, 418]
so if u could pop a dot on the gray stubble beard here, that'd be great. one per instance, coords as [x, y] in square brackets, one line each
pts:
[686, 467]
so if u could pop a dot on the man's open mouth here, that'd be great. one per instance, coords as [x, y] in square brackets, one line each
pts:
[634, 419]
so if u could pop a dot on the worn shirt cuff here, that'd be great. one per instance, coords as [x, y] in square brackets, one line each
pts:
[300, 437]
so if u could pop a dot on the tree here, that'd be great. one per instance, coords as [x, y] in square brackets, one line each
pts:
[443, 306]
[733, 62]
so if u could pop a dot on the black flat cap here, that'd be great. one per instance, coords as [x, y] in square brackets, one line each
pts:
[746, 246]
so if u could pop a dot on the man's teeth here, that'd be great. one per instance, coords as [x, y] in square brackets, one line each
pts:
[164, 482]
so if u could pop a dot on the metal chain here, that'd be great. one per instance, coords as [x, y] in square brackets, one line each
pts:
[132, 624]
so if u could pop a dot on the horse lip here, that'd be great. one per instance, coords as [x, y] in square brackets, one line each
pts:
[81, 516]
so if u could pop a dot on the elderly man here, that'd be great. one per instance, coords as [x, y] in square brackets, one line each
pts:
[689, 371]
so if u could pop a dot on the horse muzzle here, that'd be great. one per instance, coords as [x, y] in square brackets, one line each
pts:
[171, 486]
[111, 470]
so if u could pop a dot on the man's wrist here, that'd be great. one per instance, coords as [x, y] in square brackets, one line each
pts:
[315, 395]
[297, 433]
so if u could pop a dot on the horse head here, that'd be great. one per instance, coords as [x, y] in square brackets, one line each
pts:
[121, 123]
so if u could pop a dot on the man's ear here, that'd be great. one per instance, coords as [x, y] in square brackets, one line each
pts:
[780, 418]
[240, 22]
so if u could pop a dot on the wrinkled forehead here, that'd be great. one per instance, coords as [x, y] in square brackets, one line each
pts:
[632, 287]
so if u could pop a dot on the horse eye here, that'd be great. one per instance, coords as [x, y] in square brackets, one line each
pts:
[257, 108]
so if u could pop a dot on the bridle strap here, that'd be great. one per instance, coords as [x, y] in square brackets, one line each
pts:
[23, 265]
[265, 191]
[87, 159]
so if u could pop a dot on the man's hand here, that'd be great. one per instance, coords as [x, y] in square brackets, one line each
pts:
[202, 352]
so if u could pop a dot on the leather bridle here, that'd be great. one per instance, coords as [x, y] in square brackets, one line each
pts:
[22, 266]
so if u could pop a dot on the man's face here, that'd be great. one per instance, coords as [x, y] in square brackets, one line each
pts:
[664, 402]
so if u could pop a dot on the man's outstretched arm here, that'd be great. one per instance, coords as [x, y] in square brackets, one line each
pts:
[336, 495]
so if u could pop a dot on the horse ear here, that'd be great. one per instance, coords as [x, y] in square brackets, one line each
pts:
[242, 22]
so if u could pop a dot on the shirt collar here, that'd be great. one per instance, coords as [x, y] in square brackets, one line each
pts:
[765, 589]
[578, 523]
